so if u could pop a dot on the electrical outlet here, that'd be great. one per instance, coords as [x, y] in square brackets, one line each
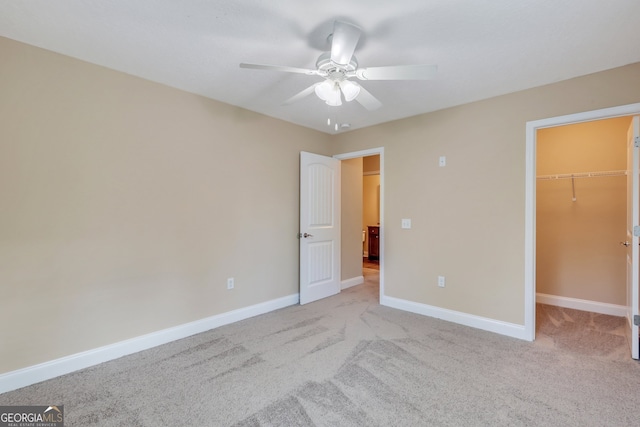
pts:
[230, 283]
[441, 281]
[406, 223]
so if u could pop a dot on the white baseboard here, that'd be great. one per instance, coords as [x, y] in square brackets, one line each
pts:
[582, 304]
[499, 327]
[351, 282]
[54, 368]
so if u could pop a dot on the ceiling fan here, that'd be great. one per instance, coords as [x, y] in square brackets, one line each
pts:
[339, 65]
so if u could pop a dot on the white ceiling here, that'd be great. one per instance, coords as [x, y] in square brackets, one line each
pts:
[483, 48]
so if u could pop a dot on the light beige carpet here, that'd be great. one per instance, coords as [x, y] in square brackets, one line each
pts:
[582, 332]
[347, 361]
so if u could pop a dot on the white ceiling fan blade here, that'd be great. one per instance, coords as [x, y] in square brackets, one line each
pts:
[398, 72]
[302, 94]
[367, 100]
[280, 68]
[343, 42]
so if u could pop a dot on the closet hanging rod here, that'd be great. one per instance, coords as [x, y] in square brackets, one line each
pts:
[582, 175]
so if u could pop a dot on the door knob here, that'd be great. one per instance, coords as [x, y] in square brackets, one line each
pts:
[625, 243]
[305, 235]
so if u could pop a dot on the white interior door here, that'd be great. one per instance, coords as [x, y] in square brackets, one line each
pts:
[319, 227]
[633, 219]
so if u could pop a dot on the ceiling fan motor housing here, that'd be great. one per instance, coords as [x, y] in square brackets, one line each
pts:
[336, 72]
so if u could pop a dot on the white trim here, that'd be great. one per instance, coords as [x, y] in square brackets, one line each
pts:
[372, 152]
[530, 193]
[54, 368]
[351, 282]
[582, 304]
[361, 153]
[478, 322]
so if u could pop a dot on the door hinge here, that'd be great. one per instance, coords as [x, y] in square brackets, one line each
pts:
[636, 230]
[636, 141]
[636, 320]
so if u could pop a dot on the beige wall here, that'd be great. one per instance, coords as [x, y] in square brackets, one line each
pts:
[468, 217]
[578, 252]
[351, 219]
[126, 205]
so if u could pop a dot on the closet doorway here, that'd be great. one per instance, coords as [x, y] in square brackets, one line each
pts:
[581, 210]
[633, 217]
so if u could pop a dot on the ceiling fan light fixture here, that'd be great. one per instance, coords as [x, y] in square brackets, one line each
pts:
[334, 100]
[350, 90]
[329, 92]
[323, 90]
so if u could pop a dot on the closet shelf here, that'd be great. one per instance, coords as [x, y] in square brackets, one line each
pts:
[582, 175]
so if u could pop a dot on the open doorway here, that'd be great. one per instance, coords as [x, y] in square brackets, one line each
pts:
[371, 220]
[532, 129]
[368, 208]
[581, 189]
[371, 211]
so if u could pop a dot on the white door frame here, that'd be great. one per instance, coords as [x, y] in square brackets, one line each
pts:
[632, 221]
[530, 198]
[364, 153]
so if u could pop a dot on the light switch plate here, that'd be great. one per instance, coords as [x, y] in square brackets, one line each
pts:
[406, 223]
[442, 161]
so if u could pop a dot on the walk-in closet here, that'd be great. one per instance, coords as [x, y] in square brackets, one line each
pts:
[581, 215]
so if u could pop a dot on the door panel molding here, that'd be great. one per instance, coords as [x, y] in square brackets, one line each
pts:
[319, 227]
